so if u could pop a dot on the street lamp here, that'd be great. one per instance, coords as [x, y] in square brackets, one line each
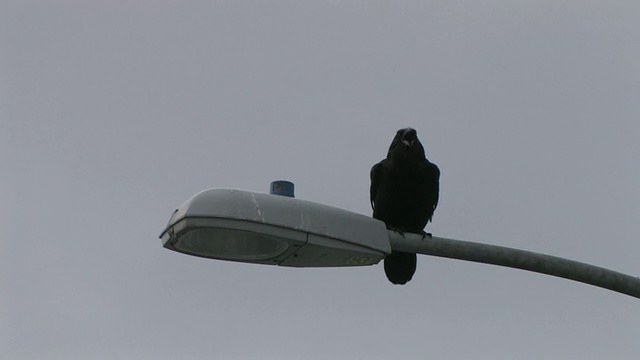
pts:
[259, 228]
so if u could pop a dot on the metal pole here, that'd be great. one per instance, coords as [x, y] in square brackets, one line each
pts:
[519, 259]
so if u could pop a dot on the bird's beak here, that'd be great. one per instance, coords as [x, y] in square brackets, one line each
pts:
[409, 137]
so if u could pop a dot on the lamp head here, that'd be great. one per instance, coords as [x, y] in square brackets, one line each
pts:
[260, 228]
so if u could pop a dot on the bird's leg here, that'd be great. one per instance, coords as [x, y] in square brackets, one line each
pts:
[425, 234]
[396, 230]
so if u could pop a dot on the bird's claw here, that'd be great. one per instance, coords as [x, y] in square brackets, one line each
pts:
[425, 234]
[396, 230]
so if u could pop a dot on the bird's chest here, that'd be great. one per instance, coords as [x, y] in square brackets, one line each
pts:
[405, 187]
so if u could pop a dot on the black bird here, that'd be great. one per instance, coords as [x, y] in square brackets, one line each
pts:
[404, 194]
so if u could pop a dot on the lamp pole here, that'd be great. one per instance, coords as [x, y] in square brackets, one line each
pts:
[514, 258]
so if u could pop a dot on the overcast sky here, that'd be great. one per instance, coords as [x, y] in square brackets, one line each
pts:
[112, 113]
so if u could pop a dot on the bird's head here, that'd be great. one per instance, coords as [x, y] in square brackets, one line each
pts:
[406, 143]
[408, 136]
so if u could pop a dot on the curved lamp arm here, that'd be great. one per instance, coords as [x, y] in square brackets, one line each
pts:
[519, 259]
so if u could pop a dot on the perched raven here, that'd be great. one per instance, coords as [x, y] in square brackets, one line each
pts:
[404, 193]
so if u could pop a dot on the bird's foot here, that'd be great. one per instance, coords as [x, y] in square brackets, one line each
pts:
[396, 230]
[426, 234]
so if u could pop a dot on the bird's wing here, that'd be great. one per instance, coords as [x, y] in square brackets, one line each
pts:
[375, 182]
[434, 182]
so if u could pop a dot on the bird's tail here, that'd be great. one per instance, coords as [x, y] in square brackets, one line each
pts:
[400, 267]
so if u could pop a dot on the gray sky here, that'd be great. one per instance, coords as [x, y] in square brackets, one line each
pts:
[112, 113]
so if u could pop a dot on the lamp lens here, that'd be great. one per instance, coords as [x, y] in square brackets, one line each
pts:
[231, 244]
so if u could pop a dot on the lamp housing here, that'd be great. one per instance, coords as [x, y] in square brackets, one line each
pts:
[237, 225]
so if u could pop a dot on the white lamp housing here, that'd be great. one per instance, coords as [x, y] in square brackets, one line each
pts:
[260, 228]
